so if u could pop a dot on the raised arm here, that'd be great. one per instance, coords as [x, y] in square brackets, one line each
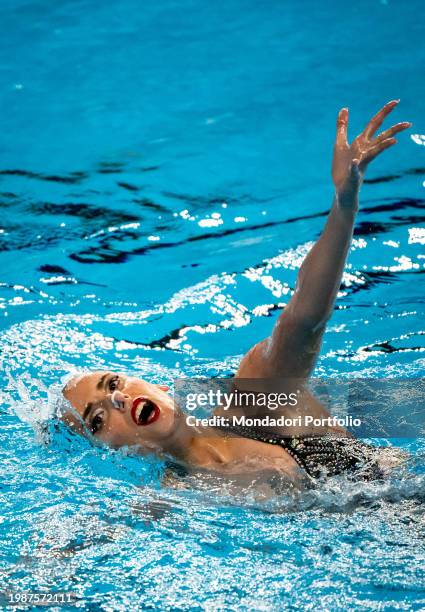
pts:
[293, 347]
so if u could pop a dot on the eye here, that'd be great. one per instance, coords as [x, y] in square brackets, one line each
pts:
[113, 383]
[96, 423]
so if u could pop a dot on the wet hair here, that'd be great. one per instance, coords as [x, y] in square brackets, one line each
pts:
[57, 406]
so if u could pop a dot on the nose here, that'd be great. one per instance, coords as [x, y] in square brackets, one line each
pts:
[119, 400]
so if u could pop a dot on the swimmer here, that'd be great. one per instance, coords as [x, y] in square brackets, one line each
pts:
[122, 411]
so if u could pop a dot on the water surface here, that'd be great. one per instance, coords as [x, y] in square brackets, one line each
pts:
[164, 169]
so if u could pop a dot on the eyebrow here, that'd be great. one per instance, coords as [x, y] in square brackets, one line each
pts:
[87, 410]
[102, 380]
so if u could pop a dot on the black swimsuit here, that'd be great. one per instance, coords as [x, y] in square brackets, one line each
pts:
[320, 455]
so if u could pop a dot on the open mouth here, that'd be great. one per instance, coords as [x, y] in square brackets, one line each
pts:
[144, 411]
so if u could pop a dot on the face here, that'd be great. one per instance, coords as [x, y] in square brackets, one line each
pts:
[120, 410]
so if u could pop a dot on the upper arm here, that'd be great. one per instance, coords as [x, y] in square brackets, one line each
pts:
[289, 353]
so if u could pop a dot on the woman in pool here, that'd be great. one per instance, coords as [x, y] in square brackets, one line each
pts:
[120, 410]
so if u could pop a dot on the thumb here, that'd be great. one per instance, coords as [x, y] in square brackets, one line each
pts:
[341, 127]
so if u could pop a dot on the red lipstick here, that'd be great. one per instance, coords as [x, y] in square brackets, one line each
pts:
[148, 414]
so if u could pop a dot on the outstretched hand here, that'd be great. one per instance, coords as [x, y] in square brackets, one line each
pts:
[350, 161]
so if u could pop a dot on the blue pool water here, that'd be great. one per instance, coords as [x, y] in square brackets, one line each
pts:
[164, 167]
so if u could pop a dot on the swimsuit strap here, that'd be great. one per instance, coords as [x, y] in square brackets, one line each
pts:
[314, 454]
[268, 438]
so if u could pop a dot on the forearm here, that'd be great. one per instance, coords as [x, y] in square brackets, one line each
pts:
[294, 344]
[320, 275]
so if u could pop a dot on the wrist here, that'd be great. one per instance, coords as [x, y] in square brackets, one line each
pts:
[347, 190]
[347, 201]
